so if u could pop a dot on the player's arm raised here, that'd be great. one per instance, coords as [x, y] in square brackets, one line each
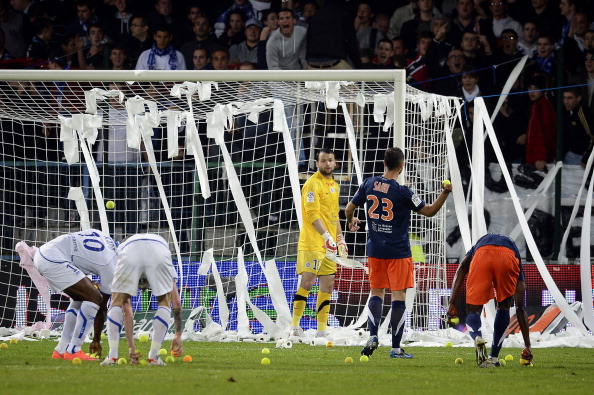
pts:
[429, 210]
[176, 310]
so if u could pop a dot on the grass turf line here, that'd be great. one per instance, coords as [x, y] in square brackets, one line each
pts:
[229, 368]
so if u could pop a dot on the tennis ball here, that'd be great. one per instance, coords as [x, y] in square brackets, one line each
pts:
[265, 351]
[364, 358]
[445, 183]
[455, 320]
[187, 358]
[330, 344]
[14, 341]
[525, 362]
[169, 359]
[502, 362]
[76, 361]
[509, 358]
[458, 361]
[449, 344]
[162, 352]
[143, 338]
[110, 205]
[122, 361]
[93, 355]
[348, 360]
[3, 345]
[142, 362]
[265, 361]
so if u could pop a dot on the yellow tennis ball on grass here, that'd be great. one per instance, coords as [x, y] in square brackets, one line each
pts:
[265, 351]
[122, 361]
[14, 341]
[364, 358]
[76, 361]
[458, 361]
[348, 360]
[265, 361]
[162, 352]
[509, 358]
[502, 362]
[110, 205]
[3, 346]
[143, 362]
[449, 344]
[143, 338]
[169, 359]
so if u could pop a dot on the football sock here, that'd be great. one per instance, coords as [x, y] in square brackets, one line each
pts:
[68, 326]
[500, 326]
[323, 307]
[84, 324]
[299, 304]
[160, 326]
[115, 320]
[473, 324]
[397, 322]
[375, 305]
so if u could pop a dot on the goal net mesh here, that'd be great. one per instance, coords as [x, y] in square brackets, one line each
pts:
[234, 200]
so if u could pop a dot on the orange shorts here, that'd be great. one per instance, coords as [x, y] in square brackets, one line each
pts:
[395, 274]
[492, 267]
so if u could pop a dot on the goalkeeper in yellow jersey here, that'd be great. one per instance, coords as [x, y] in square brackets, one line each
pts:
[320, 241]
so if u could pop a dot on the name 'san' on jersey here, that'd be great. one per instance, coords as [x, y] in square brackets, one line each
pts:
[319, 200]
[389, 207]
[86, 250]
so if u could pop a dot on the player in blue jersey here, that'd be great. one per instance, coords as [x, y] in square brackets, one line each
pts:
[65, 262]
[389, 207]
[493, 262]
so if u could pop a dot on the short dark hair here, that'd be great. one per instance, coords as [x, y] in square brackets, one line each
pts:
[287, 10]
[393, 158]
[510, 31]
[574, 90]
[324, 150]
[163, 28]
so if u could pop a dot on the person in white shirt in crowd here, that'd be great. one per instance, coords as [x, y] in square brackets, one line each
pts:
[162, 55]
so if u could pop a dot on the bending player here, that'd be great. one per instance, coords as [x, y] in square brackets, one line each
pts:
[143, 255]
[389, 207]
[64, 262]
[317, 246]
[494, 261]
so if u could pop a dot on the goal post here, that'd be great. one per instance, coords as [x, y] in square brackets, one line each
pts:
[214, 162]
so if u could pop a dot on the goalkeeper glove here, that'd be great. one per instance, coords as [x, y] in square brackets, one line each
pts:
[330, 245]
[343, 250]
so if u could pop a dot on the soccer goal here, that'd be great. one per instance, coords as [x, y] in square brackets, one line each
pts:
[214, 162]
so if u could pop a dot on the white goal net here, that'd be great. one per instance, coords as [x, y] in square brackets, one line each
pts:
[216, 168]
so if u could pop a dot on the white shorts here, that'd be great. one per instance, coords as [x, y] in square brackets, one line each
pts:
[144, 254]
[59, 274]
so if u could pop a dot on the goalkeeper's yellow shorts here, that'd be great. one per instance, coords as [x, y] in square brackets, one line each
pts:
[315, 262]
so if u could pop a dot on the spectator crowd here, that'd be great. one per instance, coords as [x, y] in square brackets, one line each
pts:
[464, 48]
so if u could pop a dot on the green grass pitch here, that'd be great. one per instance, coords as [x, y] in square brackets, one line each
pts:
[235, 368]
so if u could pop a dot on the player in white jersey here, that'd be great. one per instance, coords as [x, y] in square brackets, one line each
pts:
[143, 255]
[65, 262]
